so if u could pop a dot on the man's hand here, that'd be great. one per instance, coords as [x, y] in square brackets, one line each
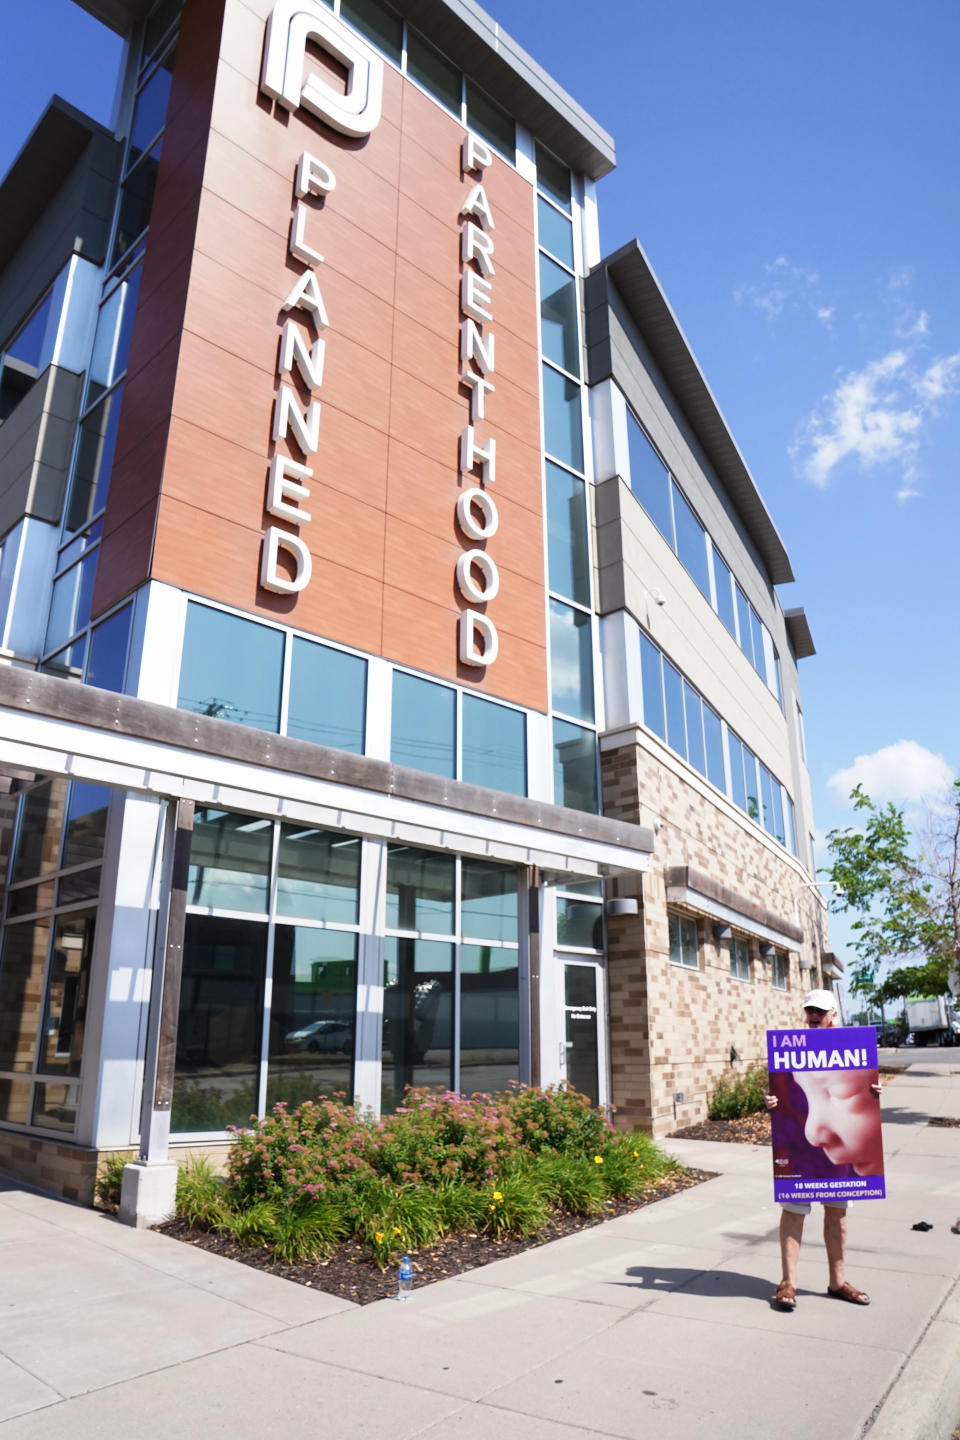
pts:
[875, 1089]
[771, 1102]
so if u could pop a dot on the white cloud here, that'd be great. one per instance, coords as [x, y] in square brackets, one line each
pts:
[825, 314]
[788, 287]
[906, 773]
[905, 493]
[875, 417]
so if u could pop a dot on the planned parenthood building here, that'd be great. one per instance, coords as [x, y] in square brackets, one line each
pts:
[395, 689]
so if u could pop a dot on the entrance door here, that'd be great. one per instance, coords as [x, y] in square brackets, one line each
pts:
[582, 1016]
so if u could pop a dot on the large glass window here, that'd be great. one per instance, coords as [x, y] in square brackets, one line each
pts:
[378, 22]
[231, 668]
[494, 746]
[229, 861]
[423, 726]
[683, 941]
[673, 705]
[22, 968]
[417, 1016]
[649, 479]
[93, 461]
[318, 875]
[41, 821]
[694, 715]
[691, 543]
[136, 202]
[554, 232]
[491, 121]
[558, 316]
[571, 660]
[111, 346]
[724, 584]
[488, 906]
[61, 1045]
[86, 827]
[109, 640]
[562, 422]
[432, 70]
[21, 358]
[420, 891]
[312, 1014]
[651, 672]
[567, 535]
[739, 958]
[327, 696]
[574, 766]
[713, 737]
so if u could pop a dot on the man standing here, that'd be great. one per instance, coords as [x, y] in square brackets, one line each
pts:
[820, 1013]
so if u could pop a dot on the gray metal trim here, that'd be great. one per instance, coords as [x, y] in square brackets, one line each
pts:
[66, 700]
[798, 633]
[474, 41]
[688, 886]
[629, 270]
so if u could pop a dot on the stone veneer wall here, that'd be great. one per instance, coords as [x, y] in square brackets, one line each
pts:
[672, 1028]
[70, 1171]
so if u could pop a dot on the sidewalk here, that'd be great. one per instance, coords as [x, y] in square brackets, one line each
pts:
[653, 1325]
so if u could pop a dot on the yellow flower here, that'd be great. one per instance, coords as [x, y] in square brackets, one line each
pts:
[636, 1154]
[379, 1237]
[498, 1197]
[598, 1159]
[491, 1207]
[396, 1229]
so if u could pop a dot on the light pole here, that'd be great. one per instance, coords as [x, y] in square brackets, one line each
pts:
[814, 885]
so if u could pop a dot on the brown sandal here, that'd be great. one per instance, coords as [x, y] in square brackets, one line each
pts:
[850, 1293]
[786, 1296]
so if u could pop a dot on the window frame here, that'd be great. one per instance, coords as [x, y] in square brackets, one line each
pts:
[680, 920]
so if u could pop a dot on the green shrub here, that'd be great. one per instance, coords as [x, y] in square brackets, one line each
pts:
[631, 1163]
[202, 1197]
[571, 1183]
[307, 1231]
[256, 1225]
[737, 1095]
[462, 1206]
[516, 1205]
[109, 1179]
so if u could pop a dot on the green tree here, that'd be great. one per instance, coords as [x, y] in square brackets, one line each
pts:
[905, 896]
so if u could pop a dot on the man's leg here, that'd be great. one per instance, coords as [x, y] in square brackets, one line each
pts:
[791, 1233]
[835, 1239]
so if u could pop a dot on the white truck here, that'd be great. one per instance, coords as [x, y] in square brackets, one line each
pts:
[933, 1022]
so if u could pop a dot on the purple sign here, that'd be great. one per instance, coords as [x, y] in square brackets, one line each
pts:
[827, 1141]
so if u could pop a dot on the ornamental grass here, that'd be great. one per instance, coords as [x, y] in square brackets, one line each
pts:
[302, 1179]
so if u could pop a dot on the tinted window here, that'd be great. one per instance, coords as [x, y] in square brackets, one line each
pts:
[114, 328]
[737, 788]
[713, 737]
[562, 424]
[652, 675]
[759, 656]
[378, 22]
[571, 660]
[229, 861]
[318, 875]
[327, 696]
[108, 651]
[489, 902]
[574, 767]
[555, 232]
[94, 458]
[695, 750]
[491, 121]
[494, 750]
[420, 890]
[721, 574]
[743, 617]
[433, 70]
[553, 177]
[567, 535]
[649, 480]
[558, 316]
[691, 543]
[231, 668]
[673, 703]
[423, 726]
[151, 108]
[136, 200]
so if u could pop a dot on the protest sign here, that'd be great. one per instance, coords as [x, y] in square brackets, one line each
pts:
[826, 1126]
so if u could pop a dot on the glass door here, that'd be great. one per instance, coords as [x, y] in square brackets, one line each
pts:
[582, 1028]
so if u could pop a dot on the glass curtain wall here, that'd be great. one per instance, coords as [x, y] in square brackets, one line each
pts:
[52, 836]
[451, 1014]
[571, 625]
[73, 649]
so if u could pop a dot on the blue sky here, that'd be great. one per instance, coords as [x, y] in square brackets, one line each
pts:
[791, 173]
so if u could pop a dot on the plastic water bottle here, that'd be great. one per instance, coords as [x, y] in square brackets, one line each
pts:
[405, 1285]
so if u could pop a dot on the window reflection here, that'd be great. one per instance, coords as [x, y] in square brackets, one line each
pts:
[22, 968]
[420, 890]
[55, 1106]
[38, 845]
[558, 316]
[23, 356]
[432, 70]
[94, 458]
[378, 22]
[423, 725]
[136, 200]
[417, 1016]
[489, 120]
[554, 232]
[231, 668]
[229, 861]
[313, 1014]
[562, 421]
[61, 1046]
[108, 651]
[494, 745]
[86, 826]
[319, 875]
[327, 696]
[488, 907]
[649, 479]
[571, 660]
[569, 562]
[574, 767]
[489, 1019]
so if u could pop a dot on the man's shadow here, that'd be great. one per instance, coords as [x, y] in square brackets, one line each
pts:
[721, 1284]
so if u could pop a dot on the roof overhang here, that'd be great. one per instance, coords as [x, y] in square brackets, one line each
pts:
[696, 891]
[59, 727]
[474, 41]
[632, 274]
[798, 633]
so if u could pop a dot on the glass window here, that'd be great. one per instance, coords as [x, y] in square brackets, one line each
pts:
[691, 542]
[553, 177]
[581, 1040]
[579, 924]
[312, 1014]
[713, 737]
[114, 329]
[571, 660]
[562, 423]
[423, 725]
[803, 735]
[775, 680]
[159, 23]
[417, 1016]
[55, 1105]
[432, 70]
[378, 22]
[22, 969]
[489, 1018]
[70, 604]
[554, 232]
[420, 891]
[488, 906]
[724, 583]
[766, 793]
[24, 356]
[27, 900]
[67, 663]
[231, 668]
[574, 767]
[79, 885]
[494, 746]
[673, 704]
[61, 1044]
[737, 787]
[781, 970]
[569, 560]
[694, 713]
[739, 958]
[751, 783]
[136, 201]
[558, 316]
[108, 651]
[328, 693]
[789, 824]
[683, 941]
[652, 675]
[229, 861]
[15, 1101]
[38, 844]
[491, 121]
[86, 825]
[649, 479]
[150, 111]
[759, 657]
[216, 1081]
[743, 617]
[93, 461]
[318, 875]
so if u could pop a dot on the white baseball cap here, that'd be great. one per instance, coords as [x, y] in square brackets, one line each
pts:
[820, 1000]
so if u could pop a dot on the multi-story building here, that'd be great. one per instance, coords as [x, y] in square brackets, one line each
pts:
[397, 691]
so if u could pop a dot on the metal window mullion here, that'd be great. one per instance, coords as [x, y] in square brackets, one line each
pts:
[268, 971]
[285, 676]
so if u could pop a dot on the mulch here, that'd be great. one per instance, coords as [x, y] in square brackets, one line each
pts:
[746, 1130]
[350, 1272]
[945, 1122]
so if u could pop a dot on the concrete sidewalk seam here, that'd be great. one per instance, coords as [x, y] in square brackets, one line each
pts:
[18, 1364]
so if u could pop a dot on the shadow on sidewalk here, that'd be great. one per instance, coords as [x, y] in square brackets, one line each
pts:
[724, 1284]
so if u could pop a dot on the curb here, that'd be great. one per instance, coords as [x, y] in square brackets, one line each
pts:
[924, 1401]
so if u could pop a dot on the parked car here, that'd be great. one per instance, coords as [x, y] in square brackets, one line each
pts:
[329, 1036]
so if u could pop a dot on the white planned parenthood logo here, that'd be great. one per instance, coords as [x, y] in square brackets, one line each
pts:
[290, 26]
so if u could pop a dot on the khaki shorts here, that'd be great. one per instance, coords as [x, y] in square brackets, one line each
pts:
[802, 1207]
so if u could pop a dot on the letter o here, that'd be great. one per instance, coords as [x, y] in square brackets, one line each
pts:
[469, 588]
[469, 524]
